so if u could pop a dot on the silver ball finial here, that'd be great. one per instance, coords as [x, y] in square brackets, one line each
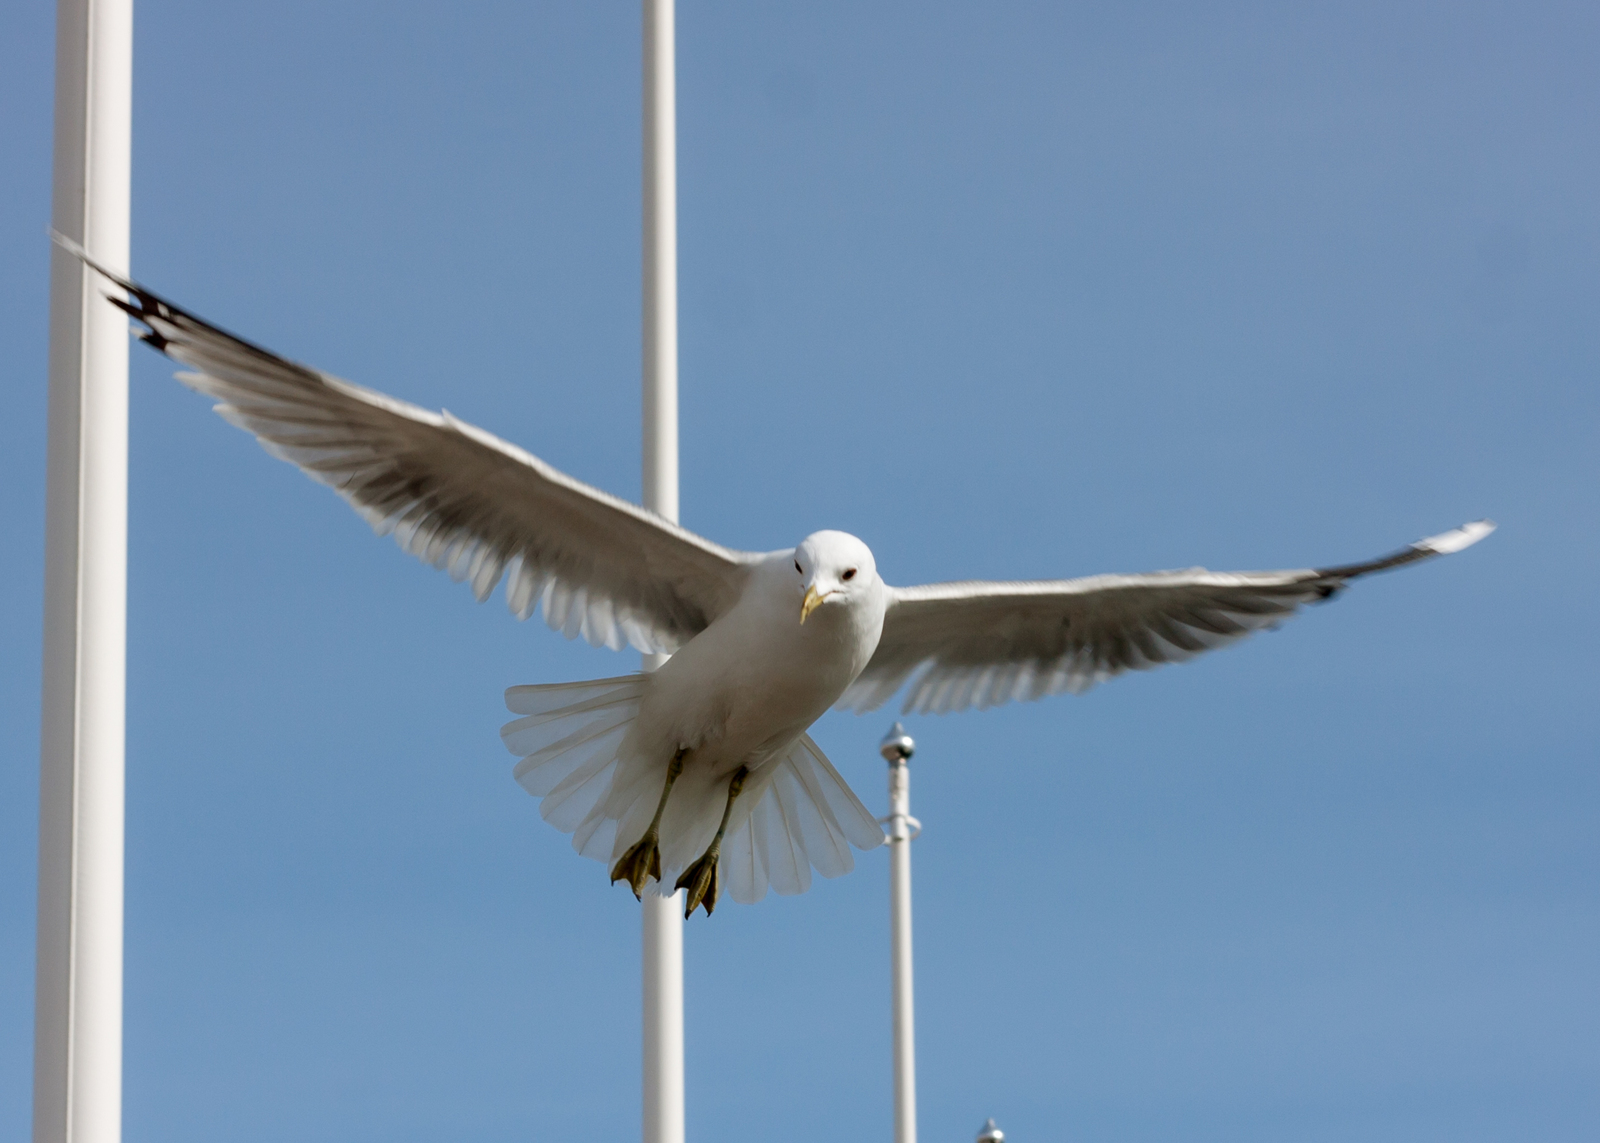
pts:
[897, 745]
[991, 1134]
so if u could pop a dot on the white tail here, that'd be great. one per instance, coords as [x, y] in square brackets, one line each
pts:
[569, 740]
[805, 815]
[796, 811]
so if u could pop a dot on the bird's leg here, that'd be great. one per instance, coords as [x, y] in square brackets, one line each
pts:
[700, 879]
[643, 860]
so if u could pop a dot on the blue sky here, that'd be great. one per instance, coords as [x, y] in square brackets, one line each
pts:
[1020, 290]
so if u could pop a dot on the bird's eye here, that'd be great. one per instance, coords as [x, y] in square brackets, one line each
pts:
[797, 567]
[849, 573]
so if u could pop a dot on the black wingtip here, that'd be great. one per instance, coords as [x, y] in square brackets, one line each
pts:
[139, 313]
[144, 305]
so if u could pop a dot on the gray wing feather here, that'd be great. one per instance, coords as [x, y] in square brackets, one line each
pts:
[980, 644]
[460, 498]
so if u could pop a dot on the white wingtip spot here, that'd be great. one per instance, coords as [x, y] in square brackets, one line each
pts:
[1457, 539]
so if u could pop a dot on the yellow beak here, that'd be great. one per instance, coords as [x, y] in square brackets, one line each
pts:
[813, 601]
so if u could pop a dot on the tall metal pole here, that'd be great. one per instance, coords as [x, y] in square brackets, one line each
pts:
[77, 1078]
[662, 916]
[896, 749]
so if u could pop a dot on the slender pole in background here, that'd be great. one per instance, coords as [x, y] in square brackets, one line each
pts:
[77, 1069]
[896, 749]
[663, 916]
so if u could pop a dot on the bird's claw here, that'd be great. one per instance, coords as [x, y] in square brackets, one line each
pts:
[639, 864]
[700, 881]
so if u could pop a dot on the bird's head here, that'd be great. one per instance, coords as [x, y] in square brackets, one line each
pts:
[833, 568]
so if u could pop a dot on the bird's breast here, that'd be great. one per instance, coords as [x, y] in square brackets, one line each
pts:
[756, 678]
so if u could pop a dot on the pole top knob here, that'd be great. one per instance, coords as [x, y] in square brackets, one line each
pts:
[897, 745]
[991, 1133]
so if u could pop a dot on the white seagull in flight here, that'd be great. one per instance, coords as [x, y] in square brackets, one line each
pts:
[701, 774]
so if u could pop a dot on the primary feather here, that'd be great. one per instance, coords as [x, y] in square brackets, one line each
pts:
[460, 498]
[980, 644]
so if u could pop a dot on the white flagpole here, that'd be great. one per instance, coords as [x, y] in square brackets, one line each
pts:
[896, 749]
[77, 1079]
[662, 916]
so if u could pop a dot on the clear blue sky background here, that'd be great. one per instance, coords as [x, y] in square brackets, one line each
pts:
[1016, 290]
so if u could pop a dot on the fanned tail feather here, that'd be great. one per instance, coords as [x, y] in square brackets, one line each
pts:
[796, 811]
[569, 738]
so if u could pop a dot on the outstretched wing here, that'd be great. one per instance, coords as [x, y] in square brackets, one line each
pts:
[979, 644]
[459, 498]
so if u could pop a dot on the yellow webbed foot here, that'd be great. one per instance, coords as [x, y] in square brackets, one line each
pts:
[700, 881]
[639, 864]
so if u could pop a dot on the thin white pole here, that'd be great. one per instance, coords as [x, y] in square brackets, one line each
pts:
[77, 1084]
[663, 1018]
[896, 750]
[660, 262]
[663, 1118]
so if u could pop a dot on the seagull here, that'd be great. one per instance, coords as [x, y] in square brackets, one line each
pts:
[700, 774]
